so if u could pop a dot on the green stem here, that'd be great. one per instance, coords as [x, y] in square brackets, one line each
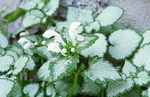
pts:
[74, 84]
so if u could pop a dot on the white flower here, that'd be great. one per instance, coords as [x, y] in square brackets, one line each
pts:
[80, 38]
[35, 43]
[24, 33]
[74, 25]
[57, 36]
[63, 51]
[54, 47]
[72, 50]
[43, 42]
[74, 33]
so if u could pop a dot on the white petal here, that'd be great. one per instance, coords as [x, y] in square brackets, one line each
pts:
[80, 38]
[74, 25]
[72, 49]
[54, 47]
[24, 34]
[49, 34]
[59, 39]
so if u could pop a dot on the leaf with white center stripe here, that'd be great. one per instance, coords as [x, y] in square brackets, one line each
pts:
[44, 72]
[90, 88]
[123, 43]
[31, 89]
[20, 64]
[102, 71]
[129, 69]
[5, 63]
[109, 15]
[51, 7]
[63, 67]
[30, 64]
[142, 58]
[6, 87]
[32, 17]
[119, 87]
[89, 40]
[76, 14]
[97, 49]
[3, 41]
[146, 37]
[50, 90]
[142, 78]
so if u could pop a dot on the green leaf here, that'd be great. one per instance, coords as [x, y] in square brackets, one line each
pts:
[119, 87]
[32, 17]
[14, 15]
[3, 41]
[129, 69]
[5, 63]
[31, 89]
[123, 43]
[6, 87]
[142, 58]
[16, 91]
[109, 15]
[142, 78]
[96, 49]
[20, 64]
[51, 7]
[101, 71]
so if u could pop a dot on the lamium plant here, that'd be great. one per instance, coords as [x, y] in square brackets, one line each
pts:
[84, 56]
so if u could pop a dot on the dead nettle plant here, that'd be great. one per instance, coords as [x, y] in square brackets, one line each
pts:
[84, 55]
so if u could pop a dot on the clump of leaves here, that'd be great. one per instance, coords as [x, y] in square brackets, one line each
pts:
[84, 55]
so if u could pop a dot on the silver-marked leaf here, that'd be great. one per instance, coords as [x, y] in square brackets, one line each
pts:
[96, 49]
[102, 71]
[6, 87]
[44, 72]
[146, 38]
[20, 64]
[30, 65]
[3, 41]
[129, 69]
[142, 58]
[5, 63]
[109, 15]
[119, 87]
[63, 67]
[32, 17]
[76, 14]
[142, 78]
[123, 43]
[51, 7]
[90, 88]
[31, 89]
